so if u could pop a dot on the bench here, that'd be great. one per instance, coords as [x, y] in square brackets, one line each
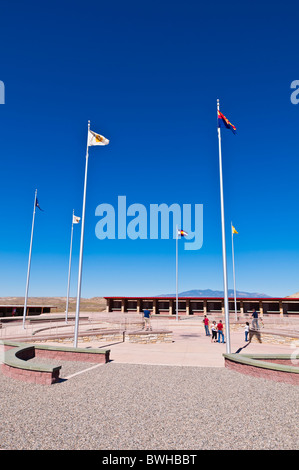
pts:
[279, 368]
[16, 362]
[16, 365]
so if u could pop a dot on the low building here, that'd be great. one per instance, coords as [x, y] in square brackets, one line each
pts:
[203, 305]
[18, 310]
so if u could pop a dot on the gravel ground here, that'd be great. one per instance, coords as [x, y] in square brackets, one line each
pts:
[143, 407]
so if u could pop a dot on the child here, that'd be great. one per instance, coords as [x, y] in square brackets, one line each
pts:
[220, 331]
[246, 331]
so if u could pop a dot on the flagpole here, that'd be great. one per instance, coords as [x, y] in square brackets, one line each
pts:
[69, 274]
[235, 294]
[81, 247]
[177, 274]
[29, 262]
[226, 308]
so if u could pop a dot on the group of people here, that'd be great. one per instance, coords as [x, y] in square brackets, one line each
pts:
[217, 330]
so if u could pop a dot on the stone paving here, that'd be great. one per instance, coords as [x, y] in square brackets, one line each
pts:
[176, 396]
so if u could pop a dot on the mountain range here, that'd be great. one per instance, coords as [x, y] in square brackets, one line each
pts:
[215, 293]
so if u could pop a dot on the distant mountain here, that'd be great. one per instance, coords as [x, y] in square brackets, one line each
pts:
[215, 293]
[294, 295]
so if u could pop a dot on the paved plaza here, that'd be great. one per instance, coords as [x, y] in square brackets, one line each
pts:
[176, 396]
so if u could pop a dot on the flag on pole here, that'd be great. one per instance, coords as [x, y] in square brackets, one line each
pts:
[92, 139]
[37, 205]
[182, 233]
[234, 230]
[224, 122]
[76, 219]
[96, 139]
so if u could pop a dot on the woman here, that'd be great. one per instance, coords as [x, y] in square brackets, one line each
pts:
[214, 332]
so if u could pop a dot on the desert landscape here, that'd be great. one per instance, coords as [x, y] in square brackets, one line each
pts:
[94, 304]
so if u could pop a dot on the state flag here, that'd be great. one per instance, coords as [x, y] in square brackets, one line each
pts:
[224, 122]
[182, 233]
[76, 219]
[37, 205]
[96, 139]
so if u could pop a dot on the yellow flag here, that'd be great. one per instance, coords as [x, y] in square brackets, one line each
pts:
[234, 230]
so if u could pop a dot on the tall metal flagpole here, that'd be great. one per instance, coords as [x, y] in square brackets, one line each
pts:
[177, 274]
[226, 308]
[29, 262]
[235, 294]
[81, 248]
[69, 275]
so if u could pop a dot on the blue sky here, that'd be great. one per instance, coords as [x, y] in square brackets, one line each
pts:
[147, 75]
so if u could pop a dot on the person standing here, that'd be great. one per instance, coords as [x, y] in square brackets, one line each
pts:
[206, 324]
[255, 323]
[147, 320]
[220, 331]
[214, 332]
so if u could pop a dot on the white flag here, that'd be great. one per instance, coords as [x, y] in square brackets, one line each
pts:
[76, 219]
[96, 139]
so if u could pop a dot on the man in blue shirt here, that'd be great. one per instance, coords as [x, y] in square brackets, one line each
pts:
[255, 324]
[147, 319]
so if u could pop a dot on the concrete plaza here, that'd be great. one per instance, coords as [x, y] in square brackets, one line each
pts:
[190, 347]
[153, 397]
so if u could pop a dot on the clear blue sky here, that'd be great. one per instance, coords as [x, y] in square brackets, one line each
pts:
[147, 75]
